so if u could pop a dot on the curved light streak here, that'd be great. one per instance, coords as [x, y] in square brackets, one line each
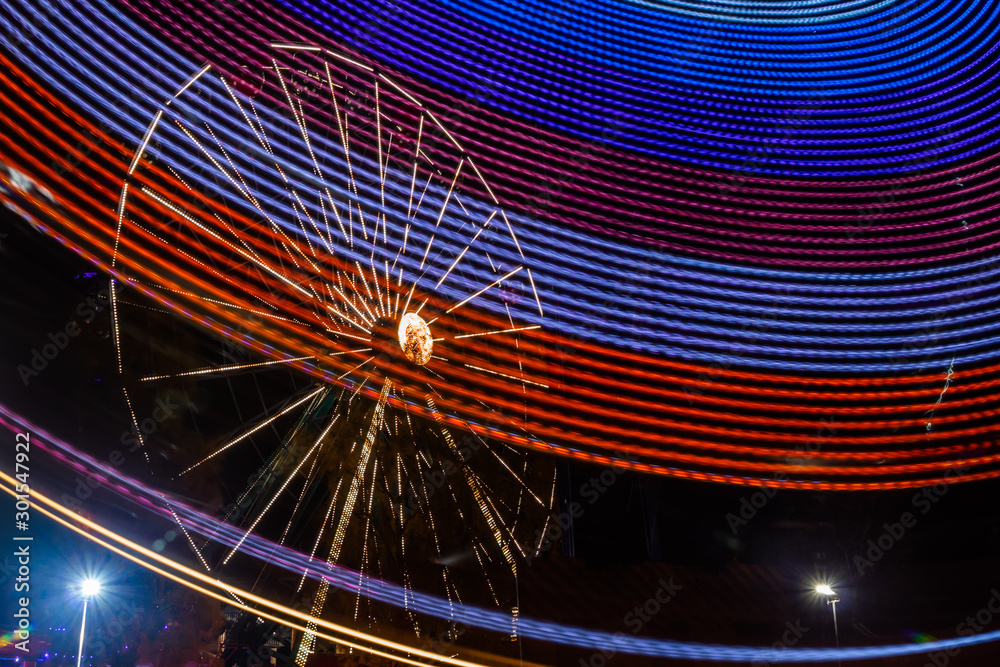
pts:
[491, 620]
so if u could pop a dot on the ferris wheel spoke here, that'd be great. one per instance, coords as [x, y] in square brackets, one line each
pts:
[135, 425]
[367, 535]
[251, 431]
[259, 135]
[365, 452]
[262, 139]
[447, 197]
[232, 233]
[121, 217]
[239, 188]
[340, 222]
[465, 250]
[378, 145]
[505, 375]
[508, 534]
[281, 490]
[477, 492]
[232, 165]
[201, 298]
[187, 535]
[427, 250]
[293, 191]
[225, 369]
[345, 143]
[493, 284]
[499, 331]
[326, 522]
[516, 476]
[378, 292]
[368, 320]
[178, 211]
[328, 239]
[300, 119]
[520, 364]
[192, 258]
[289, 244]
[416, 161]
[364, 283]
[145, 141]
[298, 206]
[423, 192]
[357, 473]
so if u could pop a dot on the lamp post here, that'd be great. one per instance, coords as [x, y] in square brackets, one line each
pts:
[831, 599]
[88, 589]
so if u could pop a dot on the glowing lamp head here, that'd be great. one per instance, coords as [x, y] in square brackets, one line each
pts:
[824, 589]
[90, 588]
[415, 338]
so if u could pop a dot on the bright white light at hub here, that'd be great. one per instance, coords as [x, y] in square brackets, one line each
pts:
[824, 589]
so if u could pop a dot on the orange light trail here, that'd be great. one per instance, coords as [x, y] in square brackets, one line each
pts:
[600, 402]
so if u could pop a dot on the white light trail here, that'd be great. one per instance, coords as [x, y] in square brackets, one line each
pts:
[251, 431]
[500, 331]
[516, 379]
[145, 140]
[537, 300]
[223, 369]
[245, 254]
[451, 188]
[281, 490]
[190, 82]
[494, 283]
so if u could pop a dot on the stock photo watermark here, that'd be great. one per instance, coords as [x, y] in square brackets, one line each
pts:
[637, 619]
[22, 543]
[752, 504]
[792, 635]
[892, 533]
[558, 524]
[60, 339]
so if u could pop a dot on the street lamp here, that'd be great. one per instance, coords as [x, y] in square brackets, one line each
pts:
[88, 589]
[831, 599]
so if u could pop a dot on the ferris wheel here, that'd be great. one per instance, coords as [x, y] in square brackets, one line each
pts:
[347, 301]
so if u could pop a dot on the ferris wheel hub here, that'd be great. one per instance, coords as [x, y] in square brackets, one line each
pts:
[415, 338]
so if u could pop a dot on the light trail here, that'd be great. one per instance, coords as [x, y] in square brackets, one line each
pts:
[281, 490]
[500, 331]
[250, 432]
[345, 516]
[782, 383]
[52, 511]
[223, 369]
[493, 284]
